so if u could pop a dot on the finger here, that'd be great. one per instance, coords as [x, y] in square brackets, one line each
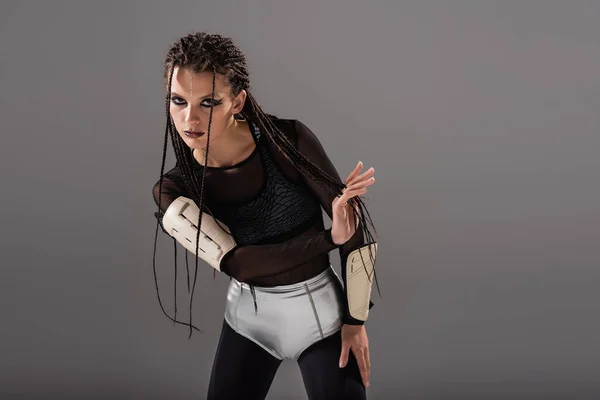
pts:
[367, 373]
[362, 366]
[357, 184]
[341, 203]
[364, 176]
[354, 172]
[360, 184]
[349, 194]
[368, 364]
[344, 355]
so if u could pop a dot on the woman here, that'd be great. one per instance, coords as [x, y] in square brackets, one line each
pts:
[246, 196]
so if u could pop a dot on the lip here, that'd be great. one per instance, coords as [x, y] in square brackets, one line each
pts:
[194, 134]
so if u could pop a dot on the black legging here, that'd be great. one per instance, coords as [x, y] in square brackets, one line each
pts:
[243, 370]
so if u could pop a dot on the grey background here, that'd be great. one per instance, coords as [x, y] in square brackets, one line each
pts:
[481, 119]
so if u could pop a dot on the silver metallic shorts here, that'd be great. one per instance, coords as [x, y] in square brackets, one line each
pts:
[289, 318]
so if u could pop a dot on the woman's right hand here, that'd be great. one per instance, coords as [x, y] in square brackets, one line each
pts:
[342, 228]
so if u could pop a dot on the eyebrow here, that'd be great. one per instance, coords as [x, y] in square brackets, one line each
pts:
[203, 97]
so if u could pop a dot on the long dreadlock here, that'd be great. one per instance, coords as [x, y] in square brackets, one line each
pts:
[212, 52]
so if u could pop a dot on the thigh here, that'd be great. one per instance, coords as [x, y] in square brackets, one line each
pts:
[241, 369]
[322, 376]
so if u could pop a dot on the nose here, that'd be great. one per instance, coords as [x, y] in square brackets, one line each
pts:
[192, 117]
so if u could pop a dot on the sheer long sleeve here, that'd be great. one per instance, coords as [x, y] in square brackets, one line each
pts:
[310, 146]
[247, 262]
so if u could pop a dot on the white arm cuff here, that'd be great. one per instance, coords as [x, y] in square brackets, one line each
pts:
[180, 221]
[359, 279]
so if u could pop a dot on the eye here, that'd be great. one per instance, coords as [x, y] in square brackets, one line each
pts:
[207, 103]
[177, 101]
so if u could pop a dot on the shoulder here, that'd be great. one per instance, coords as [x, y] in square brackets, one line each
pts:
[293, 128]
[287, 125]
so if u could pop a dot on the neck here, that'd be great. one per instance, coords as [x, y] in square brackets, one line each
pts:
[227, 149]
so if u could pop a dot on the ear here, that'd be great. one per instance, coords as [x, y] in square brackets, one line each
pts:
[239, 101]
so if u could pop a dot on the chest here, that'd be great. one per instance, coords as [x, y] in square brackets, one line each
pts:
[260, 199]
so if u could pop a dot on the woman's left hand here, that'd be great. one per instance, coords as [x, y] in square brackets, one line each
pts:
[354, 337]
[342, 228]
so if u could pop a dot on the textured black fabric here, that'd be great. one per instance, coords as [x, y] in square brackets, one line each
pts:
[273, 212]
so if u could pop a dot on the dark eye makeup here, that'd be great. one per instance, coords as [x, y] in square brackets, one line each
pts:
[205, 103]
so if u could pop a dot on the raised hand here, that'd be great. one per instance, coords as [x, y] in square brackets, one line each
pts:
[356, 183]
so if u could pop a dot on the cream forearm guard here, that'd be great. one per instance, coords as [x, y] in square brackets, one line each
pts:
[180, 221]
[359, 279]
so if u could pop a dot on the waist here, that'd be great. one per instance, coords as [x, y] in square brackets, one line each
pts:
[323, 278]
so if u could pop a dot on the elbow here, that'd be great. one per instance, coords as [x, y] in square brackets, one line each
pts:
[155, 192]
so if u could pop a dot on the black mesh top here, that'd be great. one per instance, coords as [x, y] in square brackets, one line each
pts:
[274, 212]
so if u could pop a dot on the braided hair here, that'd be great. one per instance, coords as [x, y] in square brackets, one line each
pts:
[215, 53]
